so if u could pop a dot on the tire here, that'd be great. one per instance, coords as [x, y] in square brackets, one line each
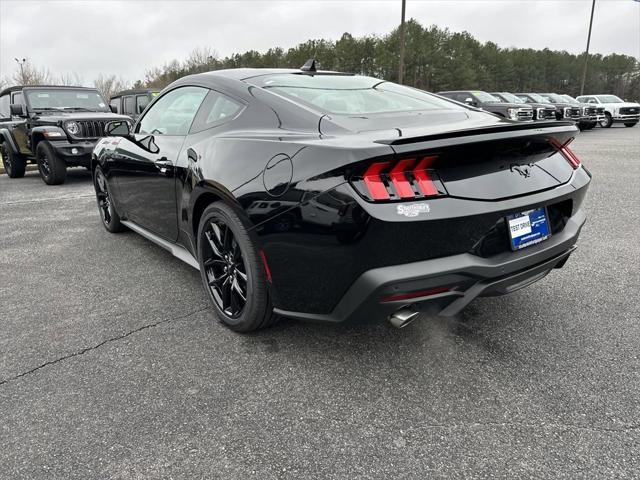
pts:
[14, 164]
[226, 254]
[608, 121]
[630, 124]
[108, 214]
[53, 171]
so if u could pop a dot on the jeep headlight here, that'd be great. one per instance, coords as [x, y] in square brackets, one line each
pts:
[567, 112]
[72, 127]
[540, 113]
[584, 111]
[513, 113]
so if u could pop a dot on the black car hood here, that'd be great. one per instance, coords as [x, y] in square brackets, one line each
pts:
[59, 116]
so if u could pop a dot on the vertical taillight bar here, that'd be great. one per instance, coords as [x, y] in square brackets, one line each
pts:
[399, 178]
[374, 182]
[425, 183]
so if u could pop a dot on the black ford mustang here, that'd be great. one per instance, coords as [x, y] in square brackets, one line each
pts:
[327, 196]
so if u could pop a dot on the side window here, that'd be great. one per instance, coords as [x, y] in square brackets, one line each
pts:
[128, 106]
[141, 103]
[173, 113]
[115, 103]
[4, 107]
[216, 110]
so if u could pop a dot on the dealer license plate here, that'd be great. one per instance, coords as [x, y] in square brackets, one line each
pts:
[528, 228]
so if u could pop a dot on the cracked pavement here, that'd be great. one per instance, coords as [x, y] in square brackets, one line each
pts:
[112, 367]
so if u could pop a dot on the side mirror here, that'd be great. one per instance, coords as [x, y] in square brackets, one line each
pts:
[113, 108]
[18, 110]
[117, 128]
[469, 101]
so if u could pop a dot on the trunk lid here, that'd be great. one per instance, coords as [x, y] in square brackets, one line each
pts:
[490, 162]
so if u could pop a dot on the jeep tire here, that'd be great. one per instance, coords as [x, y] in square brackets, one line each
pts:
[14, 164]
[52, 170]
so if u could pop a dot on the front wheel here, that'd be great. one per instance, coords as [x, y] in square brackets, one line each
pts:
[52, 169]
[607, 122]
[14, 165]
[630, 124]
[232, 271]
[109, 216]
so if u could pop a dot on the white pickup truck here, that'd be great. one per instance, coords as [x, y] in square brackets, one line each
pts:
[616, 110]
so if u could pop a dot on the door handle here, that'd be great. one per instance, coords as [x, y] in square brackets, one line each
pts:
[163, 165]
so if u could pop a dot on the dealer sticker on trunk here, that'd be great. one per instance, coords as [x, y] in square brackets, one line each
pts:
[412, 209]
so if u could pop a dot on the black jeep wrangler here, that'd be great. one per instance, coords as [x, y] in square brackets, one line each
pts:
[55, 127]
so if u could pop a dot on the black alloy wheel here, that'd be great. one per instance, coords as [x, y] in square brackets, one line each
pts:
[225, 269]
[232, 271]
[108, 214]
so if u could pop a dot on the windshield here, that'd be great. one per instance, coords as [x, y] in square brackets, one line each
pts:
[554, 98]
[510, 97]
[351, 94]
[610, 99]
[66, 99]
[538, 98]
[485, 97]
[569, 99]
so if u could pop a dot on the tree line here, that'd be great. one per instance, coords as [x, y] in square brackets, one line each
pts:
[435, 59]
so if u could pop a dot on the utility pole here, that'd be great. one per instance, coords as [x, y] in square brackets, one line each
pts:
[401, 63]
[586, 53]
[21, 63]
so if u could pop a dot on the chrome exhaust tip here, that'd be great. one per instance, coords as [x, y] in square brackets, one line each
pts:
[403, 317]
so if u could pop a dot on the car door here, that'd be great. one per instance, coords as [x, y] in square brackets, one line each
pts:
[143, 164]
[21, 126]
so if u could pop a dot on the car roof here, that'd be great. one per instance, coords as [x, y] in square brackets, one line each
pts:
[16, 88]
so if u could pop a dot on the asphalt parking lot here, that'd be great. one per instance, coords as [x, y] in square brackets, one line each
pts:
[111, 365]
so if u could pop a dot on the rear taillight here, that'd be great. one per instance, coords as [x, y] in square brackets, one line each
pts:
[568, 155]
[409, 178]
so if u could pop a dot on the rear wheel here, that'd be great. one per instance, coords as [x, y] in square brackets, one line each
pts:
[108, 214]
[608, 121]
[52, 170]
[232, 272]
[14, 165]
[630, 124]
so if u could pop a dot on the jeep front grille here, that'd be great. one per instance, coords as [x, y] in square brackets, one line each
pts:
[91, 129]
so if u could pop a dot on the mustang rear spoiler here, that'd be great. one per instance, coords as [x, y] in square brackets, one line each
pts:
[482, 134]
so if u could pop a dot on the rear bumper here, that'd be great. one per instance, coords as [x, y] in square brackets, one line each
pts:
[465, 275]
[75, 153]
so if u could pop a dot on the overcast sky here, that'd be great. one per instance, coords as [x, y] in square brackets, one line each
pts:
[127, 38]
